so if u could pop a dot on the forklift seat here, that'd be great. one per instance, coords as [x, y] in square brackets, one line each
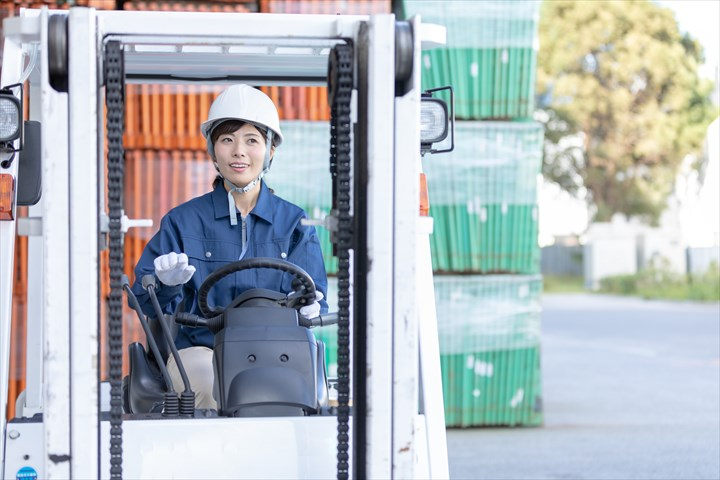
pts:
[144, 387]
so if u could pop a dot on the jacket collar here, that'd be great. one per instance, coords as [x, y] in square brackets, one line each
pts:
[263, 208]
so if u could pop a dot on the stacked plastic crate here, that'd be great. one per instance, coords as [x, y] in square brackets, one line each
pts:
[483, 198]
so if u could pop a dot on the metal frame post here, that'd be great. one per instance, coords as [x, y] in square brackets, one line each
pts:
[56, 259]
[34, 346]
[380, 242]
[406, 191]
[84, 309]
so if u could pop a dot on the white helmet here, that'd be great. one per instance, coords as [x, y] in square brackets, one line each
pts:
[248, 104]
[243, 102]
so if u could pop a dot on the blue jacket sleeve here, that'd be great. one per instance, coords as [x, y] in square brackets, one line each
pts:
[166, 240]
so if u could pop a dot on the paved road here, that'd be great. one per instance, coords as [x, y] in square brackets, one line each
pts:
[631, 390]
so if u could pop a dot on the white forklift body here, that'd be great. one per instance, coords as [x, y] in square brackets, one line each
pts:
[69, 436]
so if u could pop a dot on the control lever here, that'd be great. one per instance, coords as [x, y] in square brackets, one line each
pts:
[171, 399]
[187, 397]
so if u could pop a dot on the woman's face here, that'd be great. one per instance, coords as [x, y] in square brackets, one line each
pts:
[240, 154]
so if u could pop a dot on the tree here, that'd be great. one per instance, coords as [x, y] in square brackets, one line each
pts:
[622, 102]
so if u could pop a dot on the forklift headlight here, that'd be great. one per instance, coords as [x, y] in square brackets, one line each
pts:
[10, 117]
[436, 123]
[433, 120]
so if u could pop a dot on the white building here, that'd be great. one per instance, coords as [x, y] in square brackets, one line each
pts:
[699, 195]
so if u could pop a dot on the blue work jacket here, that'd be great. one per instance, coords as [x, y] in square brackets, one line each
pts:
[201, 229]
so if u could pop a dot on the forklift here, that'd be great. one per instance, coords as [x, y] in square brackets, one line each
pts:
[73, 66]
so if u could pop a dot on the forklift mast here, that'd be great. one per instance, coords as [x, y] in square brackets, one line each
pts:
[72, 61]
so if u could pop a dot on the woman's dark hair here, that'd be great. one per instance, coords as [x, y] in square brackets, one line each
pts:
[230, 126]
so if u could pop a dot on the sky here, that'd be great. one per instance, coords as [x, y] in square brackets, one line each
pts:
[701, 19]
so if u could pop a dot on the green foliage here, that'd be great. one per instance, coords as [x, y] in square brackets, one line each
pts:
[658, 282]
[705, 286]
[563, 284]
[621, 101]
[619, 284]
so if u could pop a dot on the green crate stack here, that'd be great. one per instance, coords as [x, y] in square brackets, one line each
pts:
[490, 58]
[329, 334]
[486, 239]
[483, 199]
[487, 83]
[304, 155]
[489, 328]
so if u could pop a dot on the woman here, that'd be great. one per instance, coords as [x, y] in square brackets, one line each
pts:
[241, 218]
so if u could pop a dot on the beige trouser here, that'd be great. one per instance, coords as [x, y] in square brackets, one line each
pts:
[199, 369]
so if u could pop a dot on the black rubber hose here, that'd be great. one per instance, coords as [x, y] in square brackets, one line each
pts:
[215, 324]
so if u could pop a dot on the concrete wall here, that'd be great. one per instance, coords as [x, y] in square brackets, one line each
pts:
[611, 249]
[661, 249]
[562, 260]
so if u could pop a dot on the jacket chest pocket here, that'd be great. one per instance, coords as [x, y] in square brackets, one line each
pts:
[269, 278]
[212, 251]
[274, 249]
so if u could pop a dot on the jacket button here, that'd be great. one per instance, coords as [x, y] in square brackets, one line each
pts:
[283, 255]
[208, 254]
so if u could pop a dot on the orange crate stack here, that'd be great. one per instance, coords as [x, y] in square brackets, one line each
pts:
[300, 103]
[327, 7]
[10, 8]
[238, 6]
[19, 322]
[166, 117]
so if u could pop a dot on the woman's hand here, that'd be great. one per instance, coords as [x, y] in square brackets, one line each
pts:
[173, 269]
[313, 310]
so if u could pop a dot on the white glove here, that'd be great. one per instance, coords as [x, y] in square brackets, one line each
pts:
[173, 269]
[313, 310]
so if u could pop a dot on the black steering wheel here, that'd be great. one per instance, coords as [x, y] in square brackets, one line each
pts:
[303, 284]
